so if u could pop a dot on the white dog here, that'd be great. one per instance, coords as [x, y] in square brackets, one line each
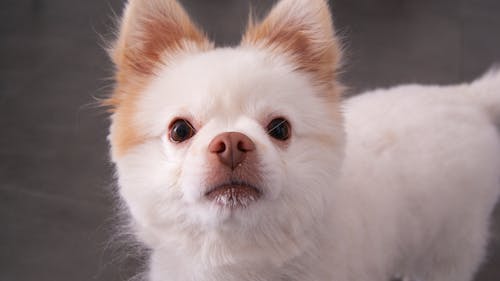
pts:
[245, 164]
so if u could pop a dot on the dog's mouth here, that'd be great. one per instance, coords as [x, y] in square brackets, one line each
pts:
[233, 195]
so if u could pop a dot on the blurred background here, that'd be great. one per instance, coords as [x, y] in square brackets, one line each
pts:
[57, 209]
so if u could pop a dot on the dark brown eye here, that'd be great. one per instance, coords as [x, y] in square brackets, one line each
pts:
[279, 129]
[181, 130]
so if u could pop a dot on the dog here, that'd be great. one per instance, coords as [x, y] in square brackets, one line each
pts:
[246, 163]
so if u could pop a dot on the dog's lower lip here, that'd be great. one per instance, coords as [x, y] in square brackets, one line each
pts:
[233, 195]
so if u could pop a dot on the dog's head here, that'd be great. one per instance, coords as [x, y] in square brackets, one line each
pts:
[234, 146]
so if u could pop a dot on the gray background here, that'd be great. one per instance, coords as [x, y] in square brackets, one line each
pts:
[57, 208]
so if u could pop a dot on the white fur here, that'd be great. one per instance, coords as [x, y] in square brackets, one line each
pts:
[163, 183]
[419, 180]
[403, 186]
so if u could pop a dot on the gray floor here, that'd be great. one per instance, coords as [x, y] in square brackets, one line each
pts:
[57, 209]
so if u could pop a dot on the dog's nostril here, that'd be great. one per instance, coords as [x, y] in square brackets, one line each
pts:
[221, 147]
[241, 146]
[245, 145]
[218, 145]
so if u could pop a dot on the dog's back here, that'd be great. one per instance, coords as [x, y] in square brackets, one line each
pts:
[423, 163]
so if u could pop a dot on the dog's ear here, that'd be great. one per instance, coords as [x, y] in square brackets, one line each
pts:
[303, 30]
[151, 32]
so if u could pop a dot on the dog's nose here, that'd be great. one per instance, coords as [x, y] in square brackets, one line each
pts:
[231, 148]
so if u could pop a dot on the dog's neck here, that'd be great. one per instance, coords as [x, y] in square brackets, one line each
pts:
[220, 261]
[168, 267]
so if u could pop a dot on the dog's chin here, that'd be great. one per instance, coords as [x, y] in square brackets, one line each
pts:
[233, 195]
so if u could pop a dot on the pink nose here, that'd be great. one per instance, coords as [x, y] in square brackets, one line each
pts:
[231, 148]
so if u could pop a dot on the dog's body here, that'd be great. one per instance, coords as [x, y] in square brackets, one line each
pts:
[243, 163]
[421, 177]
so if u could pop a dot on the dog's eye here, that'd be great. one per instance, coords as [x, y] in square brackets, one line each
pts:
[279, 129]
[181, 130]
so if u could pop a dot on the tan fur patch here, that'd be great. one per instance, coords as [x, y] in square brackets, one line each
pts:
[151, 33]
[304, 32]
[149, 30]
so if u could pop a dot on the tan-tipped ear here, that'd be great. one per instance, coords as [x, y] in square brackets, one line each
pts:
[150, 32]
[303, 30]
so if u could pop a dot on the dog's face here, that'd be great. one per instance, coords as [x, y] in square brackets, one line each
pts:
[228, 142]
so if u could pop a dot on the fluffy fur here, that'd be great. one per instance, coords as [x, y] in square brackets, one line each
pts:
[396, 182]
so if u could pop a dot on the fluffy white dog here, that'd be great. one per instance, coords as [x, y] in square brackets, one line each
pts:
[245, 163]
